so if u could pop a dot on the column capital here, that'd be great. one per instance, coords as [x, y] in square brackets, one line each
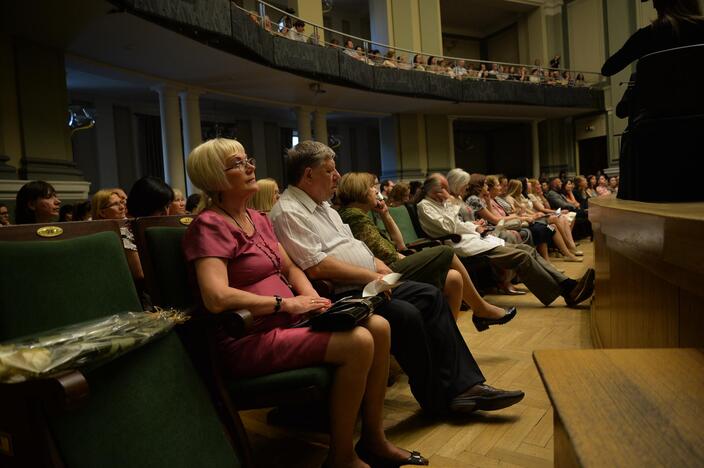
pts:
[191, 93]
[166, 89]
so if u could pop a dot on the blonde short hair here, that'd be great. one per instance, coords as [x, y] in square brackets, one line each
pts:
[178, 194]
[354, 187]
[100, 201]
[263, 200]
[206, 167]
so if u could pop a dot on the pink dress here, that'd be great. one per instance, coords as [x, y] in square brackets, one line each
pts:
[252, 266]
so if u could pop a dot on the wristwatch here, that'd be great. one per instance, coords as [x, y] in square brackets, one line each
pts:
[279, 300]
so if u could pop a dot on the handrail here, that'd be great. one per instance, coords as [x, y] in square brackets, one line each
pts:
[365, 44]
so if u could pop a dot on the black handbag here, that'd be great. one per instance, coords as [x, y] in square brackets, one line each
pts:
[344, 314]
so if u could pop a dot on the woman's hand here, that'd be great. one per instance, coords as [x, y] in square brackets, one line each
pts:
[301, 304]
[380, 207]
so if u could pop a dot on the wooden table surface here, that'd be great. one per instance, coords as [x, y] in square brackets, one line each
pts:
[629, 407]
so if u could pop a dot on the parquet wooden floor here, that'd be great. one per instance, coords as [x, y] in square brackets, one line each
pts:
[518, 436]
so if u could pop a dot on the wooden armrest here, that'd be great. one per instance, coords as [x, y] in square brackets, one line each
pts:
[324, 287]
[61, 392]
[456, 238]
[420, 244]
[236, 322]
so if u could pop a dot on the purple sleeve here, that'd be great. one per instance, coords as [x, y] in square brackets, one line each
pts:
[208, 236]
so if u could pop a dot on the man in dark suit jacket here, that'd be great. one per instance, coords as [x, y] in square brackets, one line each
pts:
[557, 199]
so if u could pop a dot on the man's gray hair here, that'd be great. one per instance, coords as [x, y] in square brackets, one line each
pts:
[306, 154]
[456, 178]
[432, 181]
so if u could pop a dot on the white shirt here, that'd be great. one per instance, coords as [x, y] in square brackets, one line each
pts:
[310, 232]
[439, 219]
[296, 36]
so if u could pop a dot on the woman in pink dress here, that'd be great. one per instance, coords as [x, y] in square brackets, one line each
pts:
[239, 264]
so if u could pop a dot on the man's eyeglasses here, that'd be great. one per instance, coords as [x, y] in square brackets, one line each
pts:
[240, 164]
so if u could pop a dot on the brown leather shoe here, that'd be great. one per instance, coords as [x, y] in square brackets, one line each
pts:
[483, 397]
[583, 290]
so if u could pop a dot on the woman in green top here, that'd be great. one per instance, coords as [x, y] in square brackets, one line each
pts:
[438, 266]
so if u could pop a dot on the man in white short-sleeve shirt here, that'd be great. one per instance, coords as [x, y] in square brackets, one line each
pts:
[443, 375]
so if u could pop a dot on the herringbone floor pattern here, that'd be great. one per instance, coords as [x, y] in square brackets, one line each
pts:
[518, 436]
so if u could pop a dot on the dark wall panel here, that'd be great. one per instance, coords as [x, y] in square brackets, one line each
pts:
[211, 15]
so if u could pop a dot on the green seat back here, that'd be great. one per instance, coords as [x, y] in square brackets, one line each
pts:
[404, 222]
[147, 408]
[49, 284]
[170, 271]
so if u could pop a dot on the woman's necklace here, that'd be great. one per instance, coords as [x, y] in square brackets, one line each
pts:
[263, 246]
[246, 215]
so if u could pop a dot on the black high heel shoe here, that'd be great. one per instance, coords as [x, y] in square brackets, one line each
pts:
[375, 461]
[483, 323]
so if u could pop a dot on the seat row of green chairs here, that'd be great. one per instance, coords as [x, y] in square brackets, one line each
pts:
[169, 403]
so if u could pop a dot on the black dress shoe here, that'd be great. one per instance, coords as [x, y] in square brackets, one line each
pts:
[482, 397]
[483, 323]
[583, 290]
[375, 461]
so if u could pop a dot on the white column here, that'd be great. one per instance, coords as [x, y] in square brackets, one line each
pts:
[172, 148]
[190, 116]
[321, 126]
[535, 142]
[304, 130]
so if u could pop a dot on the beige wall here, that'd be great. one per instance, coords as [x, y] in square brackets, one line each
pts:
[441, 149]
[430, 27]
[406, 22]
[586, 34]
[464, 48]
[309, 11]
[10, 136]
[412, 144]
[536, 36]
[503, 47]
[41, 84]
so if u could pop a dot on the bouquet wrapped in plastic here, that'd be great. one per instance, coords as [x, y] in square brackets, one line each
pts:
[86, 344]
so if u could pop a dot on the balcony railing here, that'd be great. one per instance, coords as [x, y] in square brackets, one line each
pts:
[383, 55]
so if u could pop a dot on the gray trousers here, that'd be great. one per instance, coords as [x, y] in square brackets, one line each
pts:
[537, 274]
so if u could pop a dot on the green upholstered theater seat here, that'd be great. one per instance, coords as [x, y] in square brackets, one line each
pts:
[147, 408]
[159, 242]
[405, 224]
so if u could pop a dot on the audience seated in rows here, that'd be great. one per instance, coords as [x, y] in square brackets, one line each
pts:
[425, 340]
[543, 227]
[227, 238]
[437, 217]
[458, 69]
[437, 266]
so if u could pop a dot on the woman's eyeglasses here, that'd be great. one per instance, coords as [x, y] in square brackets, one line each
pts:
[240, 164]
